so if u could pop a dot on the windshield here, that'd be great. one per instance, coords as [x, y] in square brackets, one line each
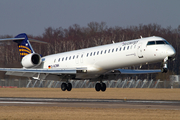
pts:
[157, 42]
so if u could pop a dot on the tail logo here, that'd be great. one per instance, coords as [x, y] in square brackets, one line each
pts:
[24, 45]
[24, 50]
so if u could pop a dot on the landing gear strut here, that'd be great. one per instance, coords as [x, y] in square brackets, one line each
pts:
[165, 69]
[100, 86]
[66, 86]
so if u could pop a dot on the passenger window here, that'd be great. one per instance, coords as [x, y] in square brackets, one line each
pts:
[62, 59]
[105, 52]
[151, 43]
[112, 50]
[54, 60]
[131, 46]
[70, 58]
[101, 51]
[128, 48]
[97, 52]
[120, 49]
[116, 49]
[66, 58]
[94, 53]
[91, 54]
[87, 54]
[73, 56]
[59, 60]
[124, 48]
[77, 56]
[81, 55]
[109, 50]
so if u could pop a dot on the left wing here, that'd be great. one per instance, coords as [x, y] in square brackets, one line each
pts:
[35, 72]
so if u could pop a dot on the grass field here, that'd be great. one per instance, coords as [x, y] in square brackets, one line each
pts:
[79, 113]
[110, 93]
[65, 113]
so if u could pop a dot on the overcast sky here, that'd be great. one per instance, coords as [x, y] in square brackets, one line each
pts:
[33, 16]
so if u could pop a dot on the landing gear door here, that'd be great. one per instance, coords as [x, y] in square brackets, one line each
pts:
[140, 50]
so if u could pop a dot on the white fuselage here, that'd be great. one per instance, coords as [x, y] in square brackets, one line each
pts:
[101, 59]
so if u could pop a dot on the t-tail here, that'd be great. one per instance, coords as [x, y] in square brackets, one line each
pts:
[29, 58]
[24, 45]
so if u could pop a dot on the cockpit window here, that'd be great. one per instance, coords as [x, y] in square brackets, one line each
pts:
[160, 42]
[151, 43]
[157, 42]
[166, 42]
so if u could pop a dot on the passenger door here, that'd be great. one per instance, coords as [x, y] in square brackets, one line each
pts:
[140, 50]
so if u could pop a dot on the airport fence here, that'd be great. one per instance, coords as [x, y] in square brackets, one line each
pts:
[126, 83]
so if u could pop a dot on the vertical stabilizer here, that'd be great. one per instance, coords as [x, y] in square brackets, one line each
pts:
[24, 45]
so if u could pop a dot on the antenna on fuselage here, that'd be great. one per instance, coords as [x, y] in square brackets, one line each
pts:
[141, 37]
[113, 42]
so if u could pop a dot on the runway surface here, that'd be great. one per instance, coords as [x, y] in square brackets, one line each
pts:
[92, 103]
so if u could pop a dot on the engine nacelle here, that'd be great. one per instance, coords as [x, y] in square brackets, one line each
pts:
[31, 60]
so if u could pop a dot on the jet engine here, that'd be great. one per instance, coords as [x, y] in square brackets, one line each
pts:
[31, 60]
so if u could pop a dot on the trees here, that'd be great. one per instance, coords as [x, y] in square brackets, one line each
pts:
[94, 34]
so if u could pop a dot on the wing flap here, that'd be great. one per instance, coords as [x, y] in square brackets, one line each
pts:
[22, 74]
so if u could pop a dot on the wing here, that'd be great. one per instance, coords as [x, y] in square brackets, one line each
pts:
[41, 73]
[129, 71]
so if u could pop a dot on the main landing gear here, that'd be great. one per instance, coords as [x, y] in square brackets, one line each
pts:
[100, 86]
[165, 69]
[66, 86]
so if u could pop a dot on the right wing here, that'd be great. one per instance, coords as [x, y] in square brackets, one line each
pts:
[129, 71]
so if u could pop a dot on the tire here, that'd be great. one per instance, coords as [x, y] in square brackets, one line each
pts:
[165, 70]
[69, 87]
[103, 87]
[63, 86]
[98, 87]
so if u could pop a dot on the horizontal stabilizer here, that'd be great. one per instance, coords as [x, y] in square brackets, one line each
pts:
[11, 39]
[17, 39]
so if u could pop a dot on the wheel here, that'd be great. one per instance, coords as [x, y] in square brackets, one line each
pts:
[103, 87]
[69, 87]
[98, 87]
[165, 70]
[63, 86]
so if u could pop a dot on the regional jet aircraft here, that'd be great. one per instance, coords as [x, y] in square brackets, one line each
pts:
[97, 64]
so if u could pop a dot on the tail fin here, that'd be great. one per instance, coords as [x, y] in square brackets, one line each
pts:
[24, 45]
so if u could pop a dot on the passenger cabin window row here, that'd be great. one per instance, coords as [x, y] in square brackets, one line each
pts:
[157, 42]
[100, 52]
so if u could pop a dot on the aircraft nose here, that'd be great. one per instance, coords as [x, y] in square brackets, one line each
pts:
[171, 52]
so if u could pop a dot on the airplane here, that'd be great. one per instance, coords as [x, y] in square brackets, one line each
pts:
[96, 64]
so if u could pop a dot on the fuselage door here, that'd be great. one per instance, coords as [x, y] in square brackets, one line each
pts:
[140, 50]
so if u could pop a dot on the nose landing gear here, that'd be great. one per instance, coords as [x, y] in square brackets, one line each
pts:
[165, 69]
